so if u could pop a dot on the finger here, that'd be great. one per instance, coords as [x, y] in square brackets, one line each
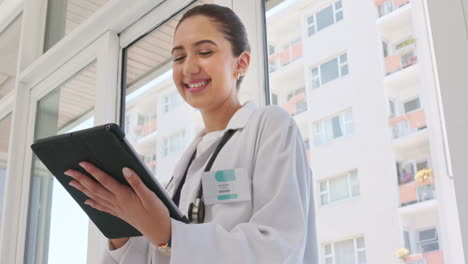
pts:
[91, 185]
[107, 181]
[100, 207]
[146, 195]
[91, 195]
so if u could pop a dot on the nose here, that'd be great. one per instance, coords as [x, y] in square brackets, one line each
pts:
[191, 65]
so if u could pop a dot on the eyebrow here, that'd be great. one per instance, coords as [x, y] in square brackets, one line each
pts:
[198, 43]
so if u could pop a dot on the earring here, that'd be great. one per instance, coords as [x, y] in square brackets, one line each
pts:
[237, 76]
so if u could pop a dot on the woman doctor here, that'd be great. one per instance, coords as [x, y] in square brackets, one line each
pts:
[267, 215]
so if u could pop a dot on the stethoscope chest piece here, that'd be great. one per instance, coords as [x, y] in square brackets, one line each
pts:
[196, 212]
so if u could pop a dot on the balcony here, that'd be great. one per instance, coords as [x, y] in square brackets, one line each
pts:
[402, 59]
[285, 57]
[408, 123]
[388, 6]
[296, 105]
[417, 191]
[145, 128]
[432, 257]
[150, 162]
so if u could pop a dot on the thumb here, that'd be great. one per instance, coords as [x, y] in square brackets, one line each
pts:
[145, 194]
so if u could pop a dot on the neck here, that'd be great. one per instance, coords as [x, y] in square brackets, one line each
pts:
[219, 117]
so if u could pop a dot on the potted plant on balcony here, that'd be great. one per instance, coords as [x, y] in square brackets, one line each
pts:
[402, 253]
[423, 175]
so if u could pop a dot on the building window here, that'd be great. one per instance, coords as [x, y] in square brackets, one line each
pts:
[408, 170]
[352, 251]
[324, 18]
[428, 240]
[174, 143]
[391, 109]
[335, 127]
[412, 105]
[330, 70]
[296, 93]
[171, 102]
[339, 188]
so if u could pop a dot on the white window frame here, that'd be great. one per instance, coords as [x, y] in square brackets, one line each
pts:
[411, 99]
[320, 131]
[332, 245]
[7, 104]
[314, 16]
[327, 191]
[318, 77]
[419, 242]
[35, 82]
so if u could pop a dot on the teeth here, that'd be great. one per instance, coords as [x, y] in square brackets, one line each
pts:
[195, 85]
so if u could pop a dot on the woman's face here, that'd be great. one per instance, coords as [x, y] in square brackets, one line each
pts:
[204, 66]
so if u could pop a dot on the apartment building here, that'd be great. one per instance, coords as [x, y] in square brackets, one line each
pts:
[358, 76]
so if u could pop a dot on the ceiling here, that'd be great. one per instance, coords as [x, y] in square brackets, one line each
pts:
[153, 52]
[9, 43]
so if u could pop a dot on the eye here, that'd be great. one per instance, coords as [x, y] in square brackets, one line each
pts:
[179, 58]
[205, 53]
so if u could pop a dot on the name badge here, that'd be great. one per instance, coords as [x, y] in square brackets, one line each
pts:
[226, 186]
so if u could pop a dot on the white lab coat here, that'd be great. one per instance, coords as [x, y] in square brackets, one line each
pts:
[276, 226]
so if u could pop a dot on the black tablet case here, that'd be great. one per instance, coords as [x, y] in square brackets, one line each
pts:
[106, 147]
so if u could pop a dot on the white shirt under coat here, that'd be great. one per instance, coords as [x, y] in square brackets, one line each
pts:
[276, 226]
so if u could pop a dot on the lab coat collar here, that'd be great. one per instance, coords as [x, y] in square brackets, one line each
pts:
[240, 118]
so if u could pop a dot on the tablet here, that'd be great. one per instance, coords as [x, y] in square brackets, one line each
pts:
[107, 148]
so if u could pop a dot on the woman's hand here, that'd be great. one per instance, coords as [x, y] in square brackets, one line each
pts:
[137, 205]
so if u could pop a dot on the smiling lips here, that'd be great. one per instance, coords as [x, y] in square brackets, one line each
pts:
[196, 86]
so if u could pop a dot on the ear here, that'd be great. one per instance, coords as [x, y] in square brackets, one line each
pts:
[243, 62]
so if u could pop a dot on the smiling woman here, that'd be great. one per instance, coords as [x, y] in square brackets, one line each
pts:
[247, 163]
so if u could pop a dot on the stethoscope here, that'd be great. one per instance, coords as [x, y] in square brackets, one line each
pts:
[196, 210]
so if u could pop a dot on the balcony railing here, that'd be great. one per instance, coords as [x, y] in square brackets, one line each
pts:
[408, 123]
[145, 129]
[417, 191]
[433, 257]
[388, 6]
[402, 59]
[280, 59]
[296, 105]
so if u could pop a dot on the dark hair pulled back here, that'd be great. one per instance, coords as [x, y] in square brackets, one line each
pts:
[227, 22]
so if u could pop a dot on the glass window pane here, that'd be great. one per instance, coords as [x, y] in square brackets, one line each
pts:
[311, 30]
[393, 140]
[310, 20]
[344, 70]
[344, 252]
[5, 130]
[9, 45]
[412, 105]
[329, 71]
[337, 131]
[327, 249]
[63, 16]
[325, 18]
[324, 199]
[170, 123]
[354, 181]
[67, 108]
[323, 187]
[360, 243]
[361, 258]
[343, 58]
[338, 5]
[339, 16]
[339, 188]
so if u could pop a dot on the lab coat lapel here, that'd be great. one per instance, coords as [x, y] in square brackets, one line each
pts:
[182, 164]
